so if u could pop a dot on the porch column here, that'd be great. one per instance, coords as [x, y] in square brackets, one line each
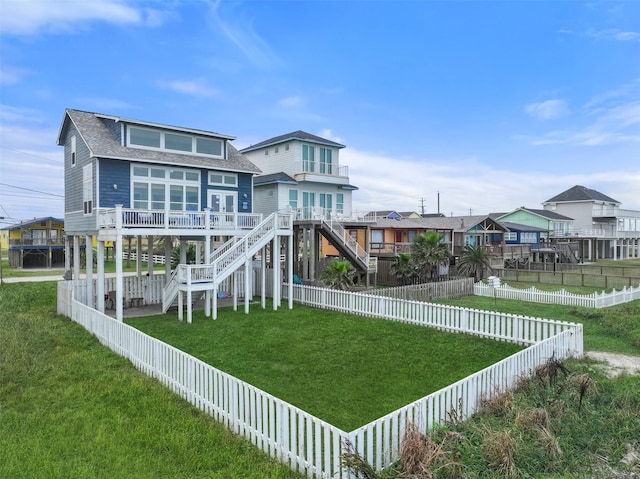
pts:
[119, 281]
[139, 256]
[88, 249]
[275, 261]
[100, 279]
[312, 254]
[305, 253]
[150, 252]
[247, 284]
[615, 249]
[67, 257]
[167, 258]
[290, 270]
[183, 251]
[76, 257]
[207, 293]
[263, 277]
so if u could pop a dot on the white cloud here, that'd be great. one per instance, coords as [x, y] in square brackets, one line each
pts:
[294, 101]
[240, 31]
[10, 75]
[548, 109]
[24, 17]
[466, 184]
[197, 87]
[613, 34]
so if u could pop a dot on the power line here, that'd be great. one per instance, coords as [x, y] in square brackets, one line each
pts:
[33, 191]
[30, 196]
[29, 154]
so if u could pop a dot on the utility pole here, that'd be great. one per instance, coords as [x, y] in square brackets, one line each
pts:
[422, 205]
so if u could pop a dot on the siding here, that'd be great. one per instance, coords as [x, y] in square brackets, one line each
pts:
[114, 127]
[266, 199]
[77, 222]
[115, 172]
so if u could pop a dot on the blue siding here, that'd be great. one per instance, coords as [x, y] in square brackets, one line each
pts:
[115, 172]
[244, 187]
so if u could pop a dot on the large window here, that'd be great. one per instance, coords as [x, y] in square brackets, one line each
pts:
[326, 201]
[511, 236]
[325, 161]
[149, 138]
[159, 188]
[377, 238]
[308, 158]
[528, 238]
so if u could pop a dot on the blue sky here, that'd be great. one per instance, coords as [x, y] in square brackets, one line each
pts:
[494, 105]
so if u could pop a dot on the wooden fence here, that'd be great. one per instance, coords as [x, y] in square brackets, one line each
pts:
[455, 288]
[569, 278]
[308, 444]
[534, 295]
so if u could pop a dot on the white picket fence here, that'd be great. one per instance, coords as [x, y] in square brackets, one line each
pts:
[534, 295]
[308, 444]
[490, 324]
[144, 257]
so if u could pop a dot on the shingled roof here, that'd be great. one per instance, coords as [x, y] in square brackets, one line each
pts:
[102, 144]
[296, 135]
[580, 193]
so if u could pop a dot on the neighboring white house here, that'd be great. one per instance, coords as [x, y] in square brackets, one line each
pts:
[602, 228]
[301, 171]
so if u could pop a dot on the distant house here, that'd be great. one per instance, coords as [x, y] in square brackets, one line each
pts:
[601, 229]
[133, 178]
[551, 223]
[302, 173]
[36, 243]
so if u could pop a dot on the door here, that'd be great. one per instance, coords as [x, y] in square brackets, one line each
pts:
[222, 201]
[308, 204]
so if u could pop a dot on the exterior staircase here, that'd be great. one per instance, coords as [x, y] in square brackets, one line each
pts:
[225, 260]
[335, 233]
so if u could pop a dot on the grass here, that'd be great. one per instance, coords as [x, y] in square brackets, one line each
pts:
[614, 329]
[70, 408]
[344, 369]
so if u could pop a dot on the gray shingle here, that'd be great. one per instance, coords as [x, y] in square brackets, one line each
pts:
[581, 193]
[296, 135]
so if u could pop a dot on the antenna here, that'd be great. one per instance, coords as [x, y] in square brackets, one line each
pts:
[422, 205]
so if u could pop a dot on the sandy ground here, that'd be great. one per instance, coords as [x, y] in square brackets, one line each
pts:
[616, 364]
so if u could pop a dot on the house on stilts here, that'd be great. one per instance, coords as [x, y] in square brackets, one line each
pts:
[128, 178]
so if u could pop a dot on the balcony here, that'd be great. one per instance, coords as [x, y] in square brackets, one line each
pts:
[35, 242]
[130, 218]
[321, 172]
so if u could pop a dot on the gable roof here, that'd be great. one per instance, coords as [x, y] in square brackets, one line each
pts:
[520, 227]
[388, 214]
[550, 215]
[295, 135]
[454, 223]
[102, 144]
[272, 178]
[580, 193]
[27, 223]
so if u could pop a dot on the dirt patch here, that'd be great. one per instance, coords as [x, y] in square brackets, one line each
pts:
[616, 364]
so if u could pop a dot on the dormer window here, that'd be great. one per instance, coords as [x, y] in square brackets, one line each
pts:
[175, 142]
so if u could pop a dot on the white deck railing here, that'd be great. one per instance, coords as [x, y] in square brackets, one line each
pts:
[534, 295]
[304, 442]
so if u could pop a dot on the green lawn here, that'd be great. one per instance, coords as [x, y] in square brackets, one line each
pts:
[70, 408]
[347, 370]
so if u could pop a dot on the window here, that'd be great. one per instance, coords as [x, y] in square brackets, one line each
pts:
[87, 189]
[159, 188]
[150, 138]
[512, 236]
[377, 238]
[528, 238]
[286, 147]
[144, 137]
[275, 150]
[340, 203]
[412, 235]
[308, 153]
[73, 150]
[326, 201]
[266, 152]
[209, 147]
[223, 179]
[178, 142]
[293, 198]
[325, 161]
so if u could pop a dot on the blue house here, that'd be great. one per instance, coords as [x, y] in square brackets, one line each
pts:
[133, 178]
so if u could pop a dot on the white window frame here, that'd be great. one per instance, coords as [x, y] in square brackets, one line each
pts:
[87, 189]
[511, 236]
[229, 180]
[166, 181]
[74, 153]
[194, 140]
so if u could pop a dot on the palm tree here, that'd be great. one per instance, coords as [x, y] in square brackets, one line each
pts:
[473, 261]
[338, 275]
[428, 253]
[403, 269]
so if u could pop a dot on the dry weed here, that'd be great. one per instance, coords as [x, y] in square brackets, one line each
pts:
[547, 373]
[499, 451]
[420, 455]
[536, 417]
[499, 404]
